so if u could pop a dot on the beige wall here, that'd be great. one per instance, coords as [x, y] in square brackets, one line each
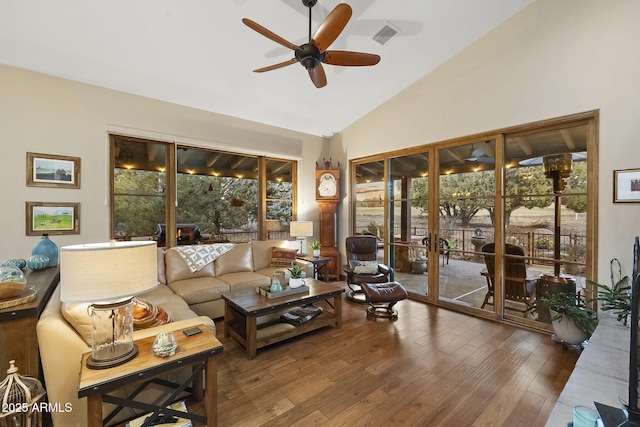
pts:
[555, 58]
[49, 115]
[552, 59]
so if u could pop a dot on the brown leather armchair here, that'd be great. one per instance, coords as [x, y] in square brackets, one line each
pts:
[363, 266]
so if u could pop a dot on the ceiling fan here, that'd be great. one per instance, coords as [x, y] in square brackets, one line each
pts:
[311, 55]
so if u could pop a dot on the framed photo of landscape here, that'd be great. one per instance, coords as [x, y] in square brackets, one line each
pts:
[626, 186]
[50, 170]
[52, 218]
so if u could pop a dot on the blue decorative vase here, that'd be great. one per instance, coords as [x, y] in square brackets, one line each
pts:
[47, 248]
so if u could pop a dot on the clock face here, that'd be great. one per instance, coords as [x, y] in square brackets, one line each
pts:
[327, 187]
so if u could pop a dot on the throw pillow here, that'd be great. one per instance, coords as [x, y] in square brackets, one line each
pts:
[364, 267]
[147, 314]
[76, 314]
[283, 257]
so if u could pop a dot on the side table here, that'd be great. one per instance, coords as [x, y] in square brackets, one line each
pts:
[196, 351]
[320, 266]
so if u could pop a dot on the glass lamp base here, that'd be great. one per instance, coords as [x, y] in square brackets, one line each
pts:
[110, 363]
[112, 334]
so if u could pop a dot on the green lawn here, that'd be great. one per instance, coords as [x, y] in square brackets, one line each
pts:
[53, 222]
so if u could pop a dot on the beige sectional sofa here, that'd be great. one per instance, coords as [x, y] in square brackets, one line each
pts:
[64, 330]
[244, 267]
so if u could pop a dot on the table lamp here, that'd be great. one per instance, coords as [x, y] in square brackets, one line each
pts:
[108, 275]
[300, 230]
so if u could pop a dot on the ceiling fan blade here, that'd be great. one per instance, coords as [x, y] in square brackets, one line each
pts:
[331, 27]
[268, 34]
[318, 77]
[276, 66]
[350, 59]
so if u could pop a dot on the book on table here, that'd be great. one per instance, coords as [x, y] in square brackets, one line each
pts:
[300, 315]
[167, 421]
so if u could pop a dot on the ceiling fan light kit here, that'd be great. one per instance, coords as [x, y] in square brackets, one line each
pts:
[311, 55]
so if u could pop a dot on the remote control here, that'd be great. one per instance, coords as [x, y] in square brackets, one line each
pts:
[192, 331]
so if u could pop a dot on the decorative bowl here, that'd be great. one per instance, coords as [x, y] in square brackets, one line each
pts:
[165, 344]
[38, 262]
[12, 282]
[15, 262]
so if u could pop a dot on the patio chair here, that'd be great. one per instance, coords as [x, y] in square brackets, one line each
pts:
[363, 266]
[517, 286]
[443, 248]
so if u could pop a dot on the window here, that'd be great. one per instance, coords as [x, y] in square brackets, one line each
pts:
[212, 195]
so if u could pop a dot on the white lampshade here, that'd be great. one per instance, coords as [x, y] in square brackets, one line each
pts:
[301, 228]
[98, 272]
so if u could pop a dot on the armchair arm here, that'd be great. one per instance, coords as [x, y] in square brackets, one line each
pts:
[384, 269]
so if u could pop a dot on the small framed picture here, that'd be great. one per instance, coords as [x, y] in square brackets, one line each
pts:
[626, 186]
[52, 218]
[50, 170]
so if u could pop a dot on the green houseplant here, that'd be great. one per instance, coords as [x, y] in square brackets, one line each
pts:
[296, 276]
[617, 297]
[315, 246]
[569, 314]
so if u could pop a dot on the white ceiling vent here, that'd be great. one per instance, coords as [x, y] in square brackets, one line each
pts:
[386, 33]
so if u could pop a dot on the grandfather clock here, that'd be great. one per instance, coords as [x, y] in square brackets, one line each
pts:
[328, 196]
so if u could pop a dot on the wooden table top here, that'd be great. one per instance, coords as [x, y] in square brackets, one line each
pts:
[146, 365]
[44, 282]
[250, 302]
[314, 260]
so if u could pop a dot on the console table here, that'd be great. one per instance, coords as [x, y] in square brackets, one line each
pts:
[601, 373]
[18, 339]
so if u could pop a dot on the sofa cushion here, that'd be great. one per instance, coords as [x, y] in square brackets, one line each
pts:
[177, 268]
[236, 260]
[77, 315]
[245, 281]
[162, 279]
[201, 289]
[261, 251]
[283, 257]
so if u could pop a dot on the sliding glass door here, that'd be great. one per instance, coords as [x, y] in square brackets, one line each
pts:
[507, 216]
[466, 212]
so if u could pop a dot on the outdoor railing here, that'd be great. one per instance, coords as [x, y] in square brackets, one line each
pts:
[536, 244]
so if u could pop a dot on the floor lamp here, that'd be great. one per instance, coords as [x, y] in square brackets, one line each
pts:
[301, 230]
[108, 275]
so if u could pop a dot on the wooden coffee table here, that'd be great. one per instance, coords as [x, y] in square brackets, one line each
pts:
[254, 320]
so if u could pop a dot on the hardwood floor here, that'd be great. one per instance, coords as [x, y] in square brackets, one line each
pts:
[431, 367]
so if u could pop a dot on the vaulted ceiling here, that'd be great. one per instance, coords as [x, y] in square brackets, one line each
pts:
[198, 53]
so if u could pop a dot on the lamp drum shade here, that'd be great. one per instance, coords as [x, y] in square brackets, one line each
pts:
[98, 272]
[301, 228]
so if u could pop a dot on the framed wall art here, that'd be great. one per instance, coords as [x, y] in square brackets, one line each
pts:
[50, 170]
[626, 186]
[52, 218]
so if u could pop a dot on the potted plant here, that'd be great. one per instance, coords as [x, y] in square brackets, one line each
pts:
[575, 252]
[315, 246]
[296, 276]
[617, 297]
[418, 265]
[573, 321]
[544, 243]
